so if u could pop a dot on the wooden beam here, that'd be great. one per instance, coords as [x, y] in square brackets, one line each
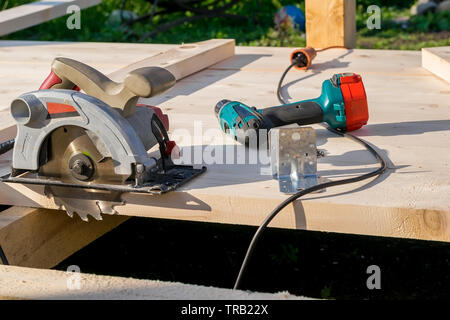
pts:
[330, 23]
[42, 238]
[34, 13]
[185, 59]
[28, 283]
[437, 61]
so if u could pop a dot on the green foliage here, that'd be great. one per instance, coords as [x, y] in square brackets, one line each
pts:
[388, 14]
[404, 41]
[288, 37]
[415, 33]
[431, 22]
[257, 30]
[7, 4]
[387, 3]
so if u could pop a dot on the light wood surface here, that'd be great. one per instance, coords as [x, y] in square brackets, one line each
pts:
[37, 284]
[42, 238]
[409, 123]
[37, 12]
[437, 61]
[330, 23]
[185, 59]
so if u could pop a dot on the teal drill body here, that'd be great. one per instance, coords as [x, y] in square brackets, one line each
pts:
[332, 104]
[340, 98]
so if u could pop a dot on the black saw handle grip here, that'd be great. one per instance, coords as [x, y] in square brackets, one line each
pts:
[302, 113]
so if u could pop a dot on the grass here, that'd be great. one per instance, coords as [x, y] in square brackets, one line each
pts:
[257, 30]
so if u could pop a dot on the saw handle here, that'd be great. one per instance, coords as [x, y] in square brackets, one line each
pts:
[143, 82]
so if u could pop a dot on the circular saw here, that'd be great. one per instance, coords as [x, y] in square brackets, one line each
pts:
[89, 148]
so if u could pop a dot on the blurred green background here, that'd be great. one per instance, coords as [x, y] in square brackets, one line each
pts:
[399, 29]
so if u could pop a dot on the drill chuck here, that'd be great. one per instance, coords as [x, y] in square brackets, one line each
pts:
[219, 106]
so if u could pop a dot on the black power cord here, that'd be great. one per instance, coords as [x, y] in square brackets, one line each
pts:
[3, 257]
[292, 198]
[279, 96]
[6, 146]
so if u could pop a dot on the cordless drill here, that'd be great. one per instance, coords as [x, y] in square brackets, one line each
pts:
[342, 104]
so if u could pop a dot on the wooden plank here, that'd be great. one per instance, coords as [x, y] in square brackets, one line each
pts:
[37, 12]
[28, 283]
[409, 122]
[330, 23]
[185, 59]
[437, 61]
[42, 238]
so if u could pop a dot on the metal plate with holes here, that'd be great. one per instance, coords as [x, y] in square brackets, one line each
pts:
[293, 158]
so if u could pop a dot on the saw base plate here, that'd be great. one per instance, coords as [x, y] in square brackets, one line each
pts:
[159, 183]
[98, 199]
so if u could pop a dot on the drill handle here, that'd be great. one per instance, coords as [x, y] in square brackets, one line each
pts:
[303, 113]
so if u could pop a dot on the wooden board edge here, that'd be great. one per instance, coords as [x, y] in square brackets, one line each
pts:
[436, 64]
[395, 222]
[30, 283]
[42, 238]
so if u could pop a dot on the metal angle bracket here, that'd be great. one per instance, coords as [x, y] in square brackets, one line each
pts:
[293, 158]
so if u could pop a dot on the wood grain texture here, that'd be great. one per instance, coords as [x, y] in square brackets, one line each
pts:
[437, 61]
[31, 14]
[330, 23]
[34, 59]
[409, 123]
[42, 238]
[36, 284]
[185, 59]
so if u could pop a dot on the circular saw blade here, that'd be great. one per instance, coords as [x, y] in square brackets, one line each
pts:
[65, 143]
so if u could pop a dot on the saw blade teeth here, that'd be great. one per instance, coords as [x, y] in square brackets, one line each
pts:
[69, 213]
[106, 208]
[83, 216]
[97, 216]
[83, 203]
[47, 192]
[60, 204]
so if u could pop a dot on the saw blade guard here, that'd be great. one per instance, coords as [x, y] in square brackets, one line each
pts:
[41, 112]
